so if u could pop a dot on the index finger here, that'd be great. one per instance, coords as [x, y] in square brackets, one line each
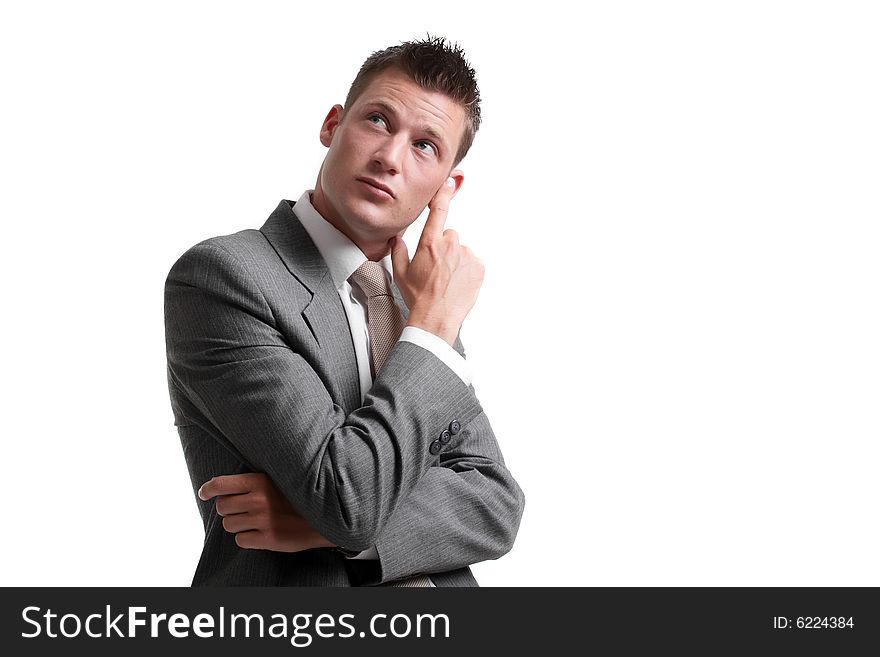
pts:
[227, 485]
[439, 210]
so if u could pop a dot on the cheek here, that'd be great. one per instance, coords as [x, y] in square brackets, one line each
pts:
[418, 198]
[346, 151]
[424, 191]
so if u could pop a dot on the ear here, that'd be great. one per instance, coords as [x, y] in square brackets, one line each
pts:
[334, 118]
[458, 176]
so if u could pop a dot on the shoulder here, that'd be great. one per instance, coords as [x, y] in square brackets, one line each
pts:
[246, 250]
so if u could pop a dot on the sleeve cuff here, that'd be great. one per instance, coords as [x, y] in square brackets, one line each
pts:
[441, 349]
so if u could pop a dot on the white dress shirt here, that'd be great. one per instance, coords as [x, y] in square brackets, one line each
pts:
[343, 257]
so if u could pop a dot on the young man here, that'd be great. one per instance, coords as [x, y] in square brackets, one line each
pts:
[320, 391]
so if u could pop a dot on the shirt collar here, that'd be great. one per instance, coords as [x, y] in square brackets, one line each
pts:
[342, 255]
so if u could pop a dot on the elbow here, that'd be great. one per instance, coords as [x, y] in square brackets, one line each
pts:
[350, 508]
[509, 518]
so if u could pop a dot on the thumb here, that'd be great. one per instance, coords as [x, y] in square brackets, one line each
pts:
[399, 257]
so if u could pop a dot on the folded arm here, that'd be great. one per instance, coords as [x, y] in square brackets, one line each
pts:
[464, 511]
[345, 474]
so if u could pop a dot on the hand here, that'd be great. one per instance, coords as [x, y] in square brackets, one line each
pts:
[441, 284]
[259, 516]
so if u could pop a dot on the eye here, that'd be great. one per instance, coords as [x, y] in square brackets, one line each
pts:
[377, 120]
[426, 147]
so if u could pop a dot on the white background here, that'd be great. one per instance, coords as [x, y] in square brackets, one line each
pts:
[677, 204]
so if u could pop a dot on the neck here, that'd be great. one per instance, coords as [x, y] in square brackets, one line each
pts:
[374, 251]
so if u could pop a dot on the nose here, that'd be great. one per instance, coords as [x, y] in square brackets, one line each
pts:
[390, 153]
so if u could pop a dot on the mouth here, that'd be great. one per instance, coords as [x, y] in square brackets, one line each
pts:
[375, 184]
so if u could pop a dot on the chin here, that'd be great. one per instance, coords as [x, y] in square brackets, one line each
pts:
[364, 212]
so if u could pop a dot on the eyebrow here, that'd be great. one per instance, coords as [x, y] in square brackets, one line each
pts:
[425, 128]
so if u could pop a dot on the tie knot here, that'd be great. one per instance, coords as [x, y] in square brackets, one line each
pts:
[371, 278]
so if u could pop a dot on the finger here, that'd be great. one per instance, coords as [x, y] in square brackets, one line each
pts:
[249, 540]
[241, 522]
[399, 257]
[229, 485]
[439, 209]
[227, 505]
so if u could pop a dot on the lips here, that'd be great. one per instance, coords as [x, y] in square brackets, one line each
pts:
[377, 185]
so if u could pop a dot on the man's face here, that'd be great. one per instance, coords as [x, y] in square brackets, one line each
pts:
[395, 136]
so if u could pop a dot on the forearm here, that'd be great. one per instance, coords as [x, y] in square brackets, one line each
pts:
[466, 511]
[345, 474]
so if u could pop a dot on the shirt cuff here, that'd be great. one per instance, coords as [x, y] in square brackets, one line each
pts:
[369, 553]
[441, 349]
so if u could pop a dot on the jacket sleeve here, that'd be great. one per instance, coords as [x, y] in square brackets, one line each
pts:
[464, 510]
[345, 474]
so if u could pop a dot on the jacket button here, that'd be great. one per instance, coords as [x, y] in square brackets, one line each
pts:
[435, 448]
[454, 427]
[445, 437]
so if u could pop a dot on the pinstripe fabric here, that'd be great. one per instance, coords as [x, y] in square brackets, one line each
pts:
[263, 377]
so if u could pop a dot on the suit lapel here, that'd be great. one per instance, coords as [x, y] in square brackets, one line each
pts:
[324, 313]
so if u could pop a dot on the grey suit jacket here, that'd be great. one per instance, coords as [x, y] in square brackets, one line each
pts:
[263, 378]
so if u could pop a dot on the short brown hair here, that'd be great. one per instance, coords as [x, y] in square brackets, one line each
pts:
[433, 64]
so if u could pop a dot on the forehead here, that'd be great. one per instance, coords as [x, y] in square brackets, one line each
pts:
[422, 108]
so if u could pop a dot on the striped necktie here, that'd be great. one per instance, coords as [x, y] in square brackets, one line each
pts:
[384, 320]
